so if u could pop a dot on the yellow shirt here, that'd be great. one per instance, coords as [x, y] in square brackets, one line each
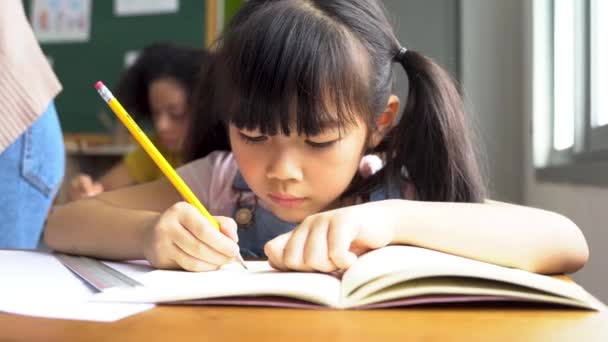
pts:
[143, 169]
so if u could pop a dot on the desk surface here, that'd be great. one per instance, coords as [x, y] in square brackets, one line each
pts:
[96, 145]
[208, 323]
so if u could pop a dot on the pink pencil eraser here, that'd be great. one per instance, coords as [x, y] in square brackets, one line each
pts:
[98, 85]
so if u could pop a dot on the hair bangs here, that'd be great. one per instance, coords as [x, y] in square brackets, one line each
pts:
[294, 69]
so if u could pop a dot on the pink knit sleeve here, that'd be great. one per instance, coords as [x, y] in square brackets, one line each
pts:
[27, 81]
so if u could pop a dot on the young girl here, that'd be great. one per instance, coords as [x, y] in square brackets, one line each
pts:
[304, 94]
[158, 86]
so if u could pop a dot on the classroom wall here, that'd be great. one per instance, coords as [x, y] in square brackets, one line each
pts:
[496, 76]
[428, 26]
[491, 81]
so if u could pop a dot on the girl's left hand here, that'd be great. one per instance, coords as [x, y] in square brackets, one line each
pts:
[332, 240]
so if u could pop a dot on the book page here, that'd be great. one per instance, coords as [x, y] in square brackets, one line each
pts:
[396, 264]
[460, 288]
[230, 281]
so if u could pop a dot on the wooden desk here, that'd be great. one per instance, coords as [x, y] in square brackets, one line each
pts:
[208, 323]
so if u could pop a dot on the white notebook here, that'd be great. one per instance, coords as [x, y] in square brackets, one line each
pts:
[387, 277]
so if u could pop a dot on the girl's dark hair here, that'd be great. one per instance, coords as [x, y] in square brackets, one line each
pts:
[306, 65]
[159, 61]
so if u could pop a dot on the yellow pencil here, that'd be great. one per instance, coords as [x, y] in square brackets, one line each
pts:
[158, 158]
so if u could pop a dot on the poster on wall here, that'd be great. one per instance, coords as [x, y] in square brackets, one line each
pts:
[145, 7]
[61, 21]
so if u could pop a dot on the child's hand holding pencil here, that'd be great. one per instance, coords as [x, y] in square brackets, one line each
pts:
[182, 236]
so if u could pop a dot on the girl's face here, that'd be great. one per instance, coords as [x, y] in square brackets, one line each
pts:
[297, 176]
[168, 104]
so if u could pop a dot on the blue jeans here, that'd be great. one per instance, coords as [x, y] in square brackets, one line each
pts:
[31, 170]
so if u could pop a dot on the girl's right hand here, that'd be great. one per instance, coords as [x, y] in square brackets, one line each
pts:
[183, 238]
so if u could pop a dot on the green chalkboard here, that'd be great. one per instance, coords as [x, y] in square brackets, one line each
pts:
[80, 65]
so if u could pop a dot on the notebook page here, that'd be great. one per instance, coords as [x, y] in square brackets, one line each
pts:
[390, 265]
[440, 287]
[231, 280]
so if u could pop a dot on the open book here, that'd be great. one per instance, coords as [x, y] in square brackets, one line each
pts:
[387, 277]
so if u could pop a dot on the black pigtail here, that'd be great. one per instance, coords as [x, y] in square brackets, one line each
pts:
[431, 141]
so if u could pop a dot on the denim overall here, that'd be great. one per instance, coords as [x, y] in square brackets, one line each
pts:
[264, 225]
